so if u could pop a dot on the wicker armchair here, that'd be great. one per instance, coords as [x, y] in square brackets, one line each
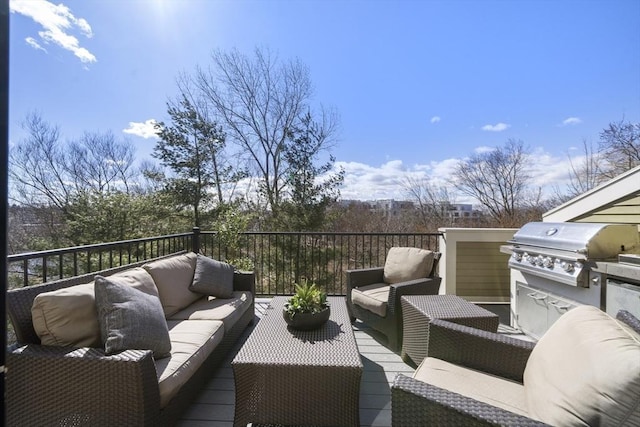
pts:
[378, 285]
[564, 381]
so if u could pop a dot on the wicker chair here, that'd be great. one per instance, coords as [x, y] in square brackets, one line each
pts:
[384, 286]
[584, 371]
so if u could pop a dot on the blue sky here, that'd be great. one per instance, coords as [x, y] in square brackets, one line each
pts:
[418, 84]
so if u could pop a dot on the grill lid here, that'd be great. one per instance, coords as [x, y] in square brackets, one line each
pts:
[592, 240]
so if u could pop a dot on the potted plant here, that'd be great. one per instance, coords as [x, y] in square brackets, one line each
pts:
[307, 309]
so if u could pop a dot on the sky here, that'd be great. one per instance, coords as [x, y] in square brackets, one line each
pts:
[419, 85]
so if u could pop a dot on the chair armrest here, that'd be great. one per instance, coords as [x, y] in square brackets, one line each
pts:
[49, 385]
[244, 281]
[489, 352]
[364, 276]
[417, 403]
[424, 286]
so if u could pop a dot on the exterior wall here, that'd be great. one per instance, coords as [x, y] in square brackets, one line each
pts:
[615, 201]
[472, 265]
[481, 271]
[625, 212]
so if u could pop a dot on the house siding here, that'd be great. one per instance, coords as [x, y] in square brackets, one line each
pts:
[625, 212]
[482, 271]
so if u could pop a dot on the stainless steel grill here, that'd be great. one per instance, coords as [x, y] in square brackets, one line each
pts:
[553, 269]
[562, 252]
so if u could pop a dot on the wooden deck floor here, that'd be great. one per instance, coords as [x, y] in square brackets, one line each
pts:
[214, 406]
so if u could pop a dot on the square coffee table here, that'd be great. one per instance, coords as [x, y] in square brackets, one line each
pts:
[289, 377]
[418, 310]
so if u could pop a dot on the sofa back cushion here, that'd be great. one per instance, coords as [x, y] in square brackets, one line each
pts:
[404, 264]
[212, 277]
[585, 371]
[68, 316]
[172, 277]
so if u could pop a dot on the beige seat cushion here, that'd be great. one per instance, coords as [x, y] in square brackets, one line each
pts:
[173, 276]
[211, 308]
[492, 390]
[585, 371]
[69, 317]
[372, 297]
[404, 264]
[192, 341]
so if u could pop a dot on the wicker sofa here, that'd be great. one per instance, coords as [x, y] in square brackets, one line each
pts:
[585, 371]
[67, 382]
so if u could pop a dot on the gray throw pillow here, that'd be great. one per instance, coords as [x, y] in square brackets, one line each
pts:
[213, 278]
[130, 319]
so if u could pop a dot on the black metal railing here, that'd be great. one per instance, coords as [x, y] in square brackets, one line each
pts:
[39, 267]
[280, 259]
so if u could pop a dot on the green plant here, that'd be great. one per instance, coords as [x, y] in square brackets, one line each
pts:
[242, 264]
[307, 299]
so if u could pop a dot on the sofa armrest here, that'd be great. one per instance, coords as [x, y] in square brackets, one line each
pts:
[81, 386]
[363, 277]
[244, 281]
[417, 403]
[489, 352]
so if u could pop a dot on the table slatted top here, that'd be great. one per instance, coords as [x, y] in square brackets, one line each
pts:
[273, 342]
[447, 307]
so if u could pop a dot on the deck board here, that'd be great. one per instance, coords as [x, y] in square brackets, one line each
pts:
[214, 406]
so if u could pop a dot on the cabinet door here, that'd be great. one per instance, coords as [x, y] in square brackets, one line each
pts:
[557, 307]
[532, 310]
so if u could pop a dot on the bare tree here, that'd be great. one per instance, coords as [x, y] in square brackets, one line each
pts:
[497, 179]
[37, 168]
[260, 99]
[620, 145]
[98, 162]
[433, 203]
[586, 174]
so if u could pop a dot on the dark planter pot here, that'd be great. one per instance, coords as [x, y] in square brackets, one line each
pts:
[307, 321]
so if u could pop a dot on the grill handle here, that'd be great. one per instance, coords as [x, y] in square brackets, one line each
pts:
[559, 306]
[537, 297]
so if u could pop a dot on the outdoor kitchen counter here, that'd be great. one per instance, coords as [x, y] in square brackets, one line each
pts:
[615, 269]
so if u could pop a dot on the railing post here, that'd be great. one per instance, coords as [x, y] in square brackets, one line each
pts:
[195, 242]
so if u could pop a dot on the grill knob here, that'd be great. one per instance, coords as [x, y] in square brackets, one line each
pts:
[548, 262]
[567, 266]
[517, 256]
[539, 260]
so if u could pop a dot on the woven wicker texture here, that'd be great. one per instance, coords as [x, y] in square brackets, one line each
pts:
[415, 403]
[419, 310]
[391, 324]
[289, 377]
[82, 387]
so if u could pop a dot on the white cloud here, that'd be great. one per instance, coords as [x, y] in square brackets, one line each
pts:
[499, 127]
[58, 23]
[435, 119]
[571, 121]
[483, 149]
[34, 44]
[144, 130]
[365, 182]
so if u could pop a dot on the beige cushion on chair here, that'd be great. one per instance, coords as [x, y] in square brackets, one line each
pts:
[585, 371]
[404, 264]
[372, 297]
[483, 387]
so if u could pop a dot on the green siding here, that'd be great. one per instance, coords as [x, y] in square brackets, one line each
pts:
[482, 270]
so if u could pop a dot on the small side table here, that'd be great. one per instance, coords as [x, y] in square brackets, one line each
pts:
[418, 310]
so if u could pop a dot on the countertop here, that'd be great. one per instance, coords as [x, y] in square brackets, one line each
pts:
[618, 270]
